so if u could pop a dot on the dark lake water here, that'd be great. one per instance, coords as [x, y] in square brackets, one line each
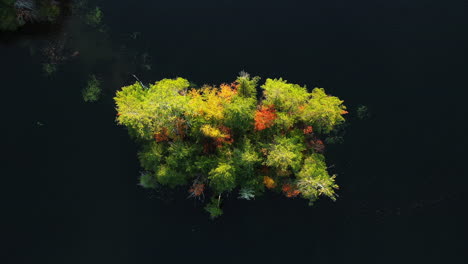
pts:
[69, 186]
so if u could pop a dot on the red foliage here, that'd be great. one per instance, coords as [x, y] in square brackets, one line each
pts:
[265, 117]
[318, 145]
[235, 85]
[308, 130]
[180, 127]
[197, 189]
[162, 135]
[290, 190]
[226, 139]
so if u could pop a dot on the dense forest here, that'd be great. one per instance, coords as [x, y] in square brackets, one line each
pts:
[235, 137]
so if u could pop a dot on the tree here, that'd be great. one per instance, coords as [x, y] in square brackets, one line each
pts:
[223, 139]
[213, 208]
[323, 111]
[286, 153]
[247, 86]
[222, 178]
[149, 111]
[314, 180]
[92, 92]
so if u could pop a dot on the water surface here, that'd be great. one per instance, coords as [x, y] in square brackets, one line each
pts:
[70, 185]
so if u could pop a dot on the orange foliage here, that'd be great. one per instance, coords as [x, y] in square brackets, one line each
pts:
[180, 127]
[162, 135]
[197, 189]
[290, 191]
[226, 139]
[269, 182]
[265, 117]
[227, 91]
[344, 112]
[308, 130]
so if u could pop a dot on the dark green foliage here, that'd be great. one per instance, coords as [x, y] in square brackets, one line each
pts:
[170, 176]
[151, 156]
[181, 155]
[247, 86]
[336, 136]
[213, 208]
[92, 92]
[94, 17]
[148, 180]
[48, 10]
[362, 112]
[239, 115]
[246, 159]
[49, 68]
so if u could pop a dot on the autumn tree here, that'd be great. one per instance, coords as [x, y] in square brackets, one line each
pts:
[235, 137]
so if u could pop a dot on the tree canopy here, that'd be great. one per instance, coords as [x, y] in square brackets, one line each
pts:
[230, 138]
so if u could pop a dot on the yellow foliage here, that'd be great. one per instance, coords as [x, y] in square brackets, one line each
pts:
[205, 102]
[269, 182]
[226, 92]
[213, 132]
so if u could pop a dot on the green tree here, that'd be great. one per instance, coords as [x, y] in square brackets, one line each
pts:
[222, 178]
[92, 91]
[148, 180]
[147, 111]
[167, 175]
[314, 180]
[286, 153]
[49, 68]
[94, 17]
[286, 97]
[213, 208]
[152, 155]
[362, 112]
[323, 111]
[247, 86]
[239, 114]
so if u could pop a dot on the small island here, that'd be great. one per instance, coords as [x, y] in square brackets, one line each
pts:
[235, 138]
